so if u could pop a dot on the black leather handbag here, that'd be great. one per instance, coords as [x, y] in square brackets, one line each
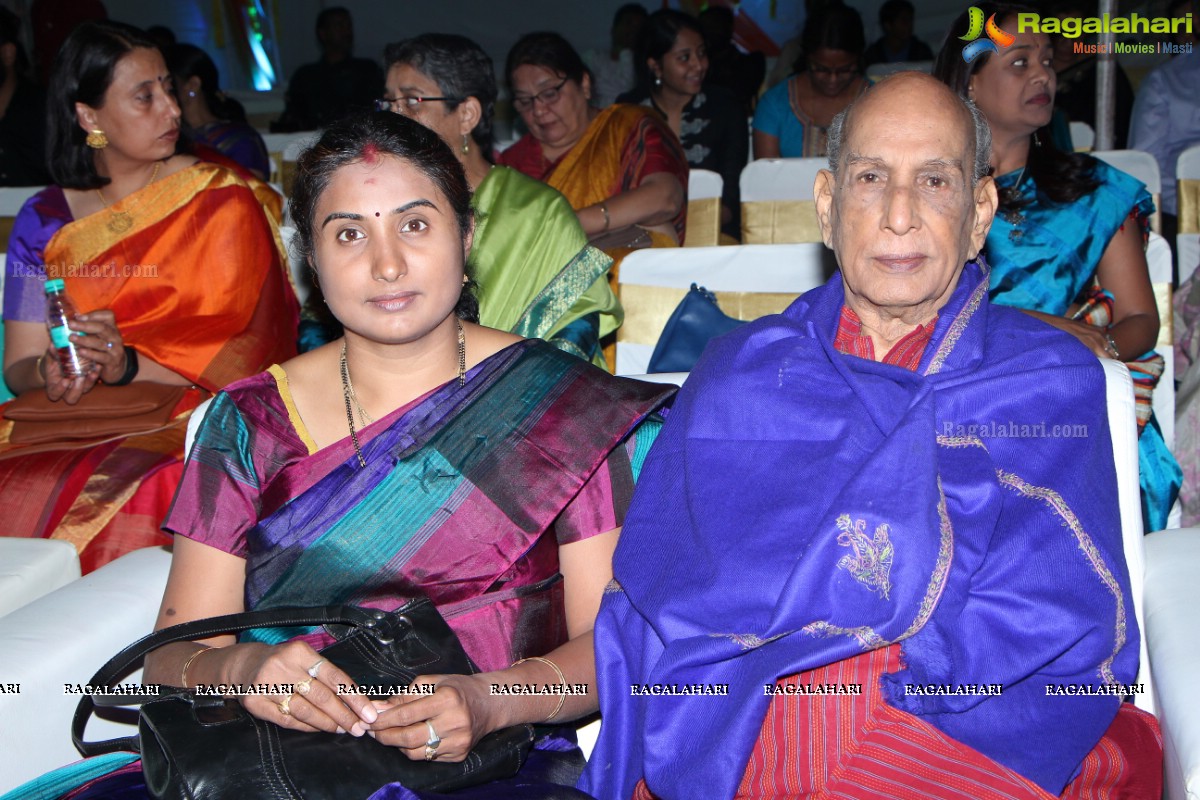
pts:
[201, 747]
[695, 320]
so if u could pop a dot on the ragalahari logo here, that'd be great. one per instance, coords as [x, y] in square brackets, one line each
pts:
[996, 40]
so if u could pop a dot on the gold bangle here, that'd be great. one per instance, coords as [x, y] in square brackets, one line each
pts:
[607, 224]
[41, 362]
[562, 681]
[191, 658]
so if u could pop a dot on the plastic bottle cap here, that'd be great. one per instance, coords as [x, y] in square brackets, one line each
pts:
[55, 285]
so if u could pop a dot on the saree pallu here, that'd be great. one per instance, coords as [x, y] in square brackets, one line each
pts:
[821, 506]
[1044, 258]
[196, 286]
[537, 276]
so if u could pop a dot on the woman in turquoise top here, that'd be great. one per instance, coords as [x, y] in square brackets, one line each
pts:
[1068, 243]
[792, 118]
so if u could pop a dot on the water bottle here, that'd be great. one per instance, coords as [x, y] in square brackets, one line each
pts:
[59, 314]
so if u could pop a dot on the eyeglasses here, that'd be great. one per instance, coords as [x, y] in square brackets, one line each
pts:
[546, 97]
[408, 103]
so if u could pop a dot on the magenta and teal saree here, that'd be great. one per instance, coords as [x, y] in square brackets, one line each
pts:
[466, 496]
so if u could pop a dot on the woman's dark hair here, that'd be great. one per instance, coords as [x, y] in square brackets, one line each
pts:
[546, 49]
[656, 40]
[459, 67]
[1060, 177]
[380, 133]
[185, 61]
[82, 73]
[834, 27]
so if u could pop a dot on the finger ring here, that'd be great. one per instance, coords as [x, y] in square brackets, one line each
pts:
[434, 739]
[108, 345]
[315, 668]
[430, 752]
[304, 687]
[285, 706]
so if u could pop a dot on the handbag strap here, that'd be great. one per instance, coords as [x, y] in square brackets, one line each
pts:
[120, 664]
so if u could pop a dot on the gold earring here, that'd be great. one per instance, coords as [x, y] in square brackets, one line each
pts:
[97, 140]
[466, 144]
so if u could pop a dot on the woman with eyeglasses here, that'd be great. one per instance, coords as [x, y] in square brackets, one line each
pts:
[622, 169]
[672, 65]
[537, 276]
[792, 118]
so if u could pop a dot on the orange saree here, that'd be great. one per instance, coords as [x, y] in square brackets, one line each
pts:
[197, 285]
[621, 147]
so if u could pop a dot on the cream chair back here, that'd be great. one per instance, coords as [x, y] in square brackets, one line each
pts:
[777, 200]
[1082, 137]
[748, 280]
[703, 208]
[1142, 166]
[283, 149]
[1187, 175]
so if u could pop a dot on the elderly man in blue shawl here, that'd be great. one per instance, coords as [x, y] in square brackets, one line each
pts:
[876, 550]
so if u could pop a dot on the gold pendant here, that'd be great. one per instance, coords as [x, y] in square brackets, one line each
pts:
[120, 221]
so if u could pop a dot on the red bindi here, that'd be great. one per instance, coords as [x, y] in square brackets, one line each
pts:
[370, 153]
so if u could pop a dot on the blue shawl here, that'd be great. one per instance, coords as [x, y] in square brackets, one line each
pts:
[802, 506]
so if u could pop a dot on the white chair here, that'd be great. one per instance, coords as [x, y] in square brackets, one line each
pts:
[703, 208]
[1142, 166]
[1122, 423]
[61, 639]
[1158, 257]
[1172, 596]
[777, 200]
[749, 281]
[30, 568]
[1082, 137]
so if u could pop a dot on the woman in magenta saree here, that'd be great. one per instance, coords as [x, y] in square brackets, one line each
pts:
[486, 472]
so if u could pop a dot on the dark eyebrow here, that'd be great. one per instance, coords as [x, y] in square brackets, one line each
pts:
[356, 217]
[422, 203]
[854, 159]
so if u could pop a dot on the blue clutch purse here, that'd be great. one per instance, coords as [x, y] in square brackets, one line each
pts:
[695, 320]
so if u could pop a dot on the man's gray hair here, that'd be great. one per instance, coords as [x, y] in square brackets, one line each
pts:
[983, 140]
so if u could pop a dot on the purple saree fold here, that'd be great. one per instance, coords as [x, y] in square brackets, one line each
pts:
[802, 506]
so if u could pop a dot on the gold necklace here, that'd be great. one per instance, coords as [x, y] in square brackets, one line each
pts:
[351, 398]
[122, 221]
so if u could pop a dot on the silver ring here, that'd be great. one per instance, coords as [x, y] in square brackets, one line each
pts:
[315, 668]
[108, 345]
[434, 739]
[430, 752]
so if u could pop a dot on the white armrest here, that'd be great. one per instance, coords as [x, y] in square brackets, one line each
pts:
[63, 638]
[1171, 597]
[30, 568]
